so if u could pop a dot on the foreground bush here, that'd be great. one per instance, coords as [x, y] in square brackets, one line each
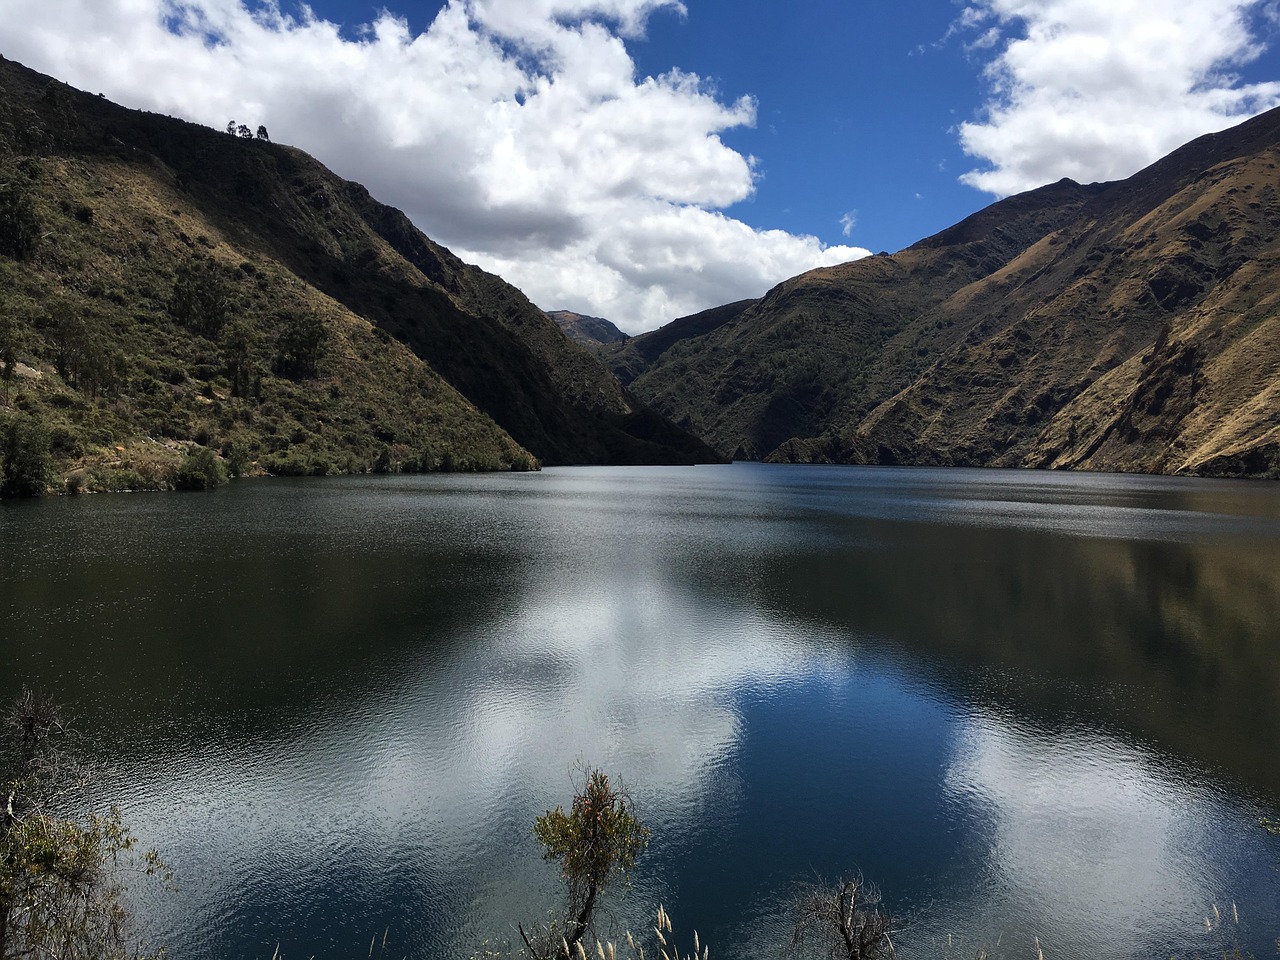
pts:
[597, 841]
[60, 893]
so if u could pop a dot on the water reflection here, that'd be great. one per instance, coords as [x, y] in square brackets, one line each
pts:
[460, 747]
[1027, 705]
[1091, 845]
[1142, 635]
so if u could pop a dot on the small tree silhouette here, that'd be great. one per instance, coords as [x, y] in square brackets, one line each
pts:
[262, 133]
[244, 131]
[9, 357]
[597, 840]
[201, 301]
[8, 354]
[844, 921]
[231, 127]
[19, 223]
[300, 345]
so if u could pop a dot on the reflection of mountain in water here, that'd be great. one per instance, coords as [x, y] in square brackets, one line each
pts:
[1137, 633]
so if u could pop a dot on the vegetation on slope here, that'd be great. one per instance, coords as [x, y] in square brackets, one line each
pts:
[125, 380]
[554, 395]
[834, 342]
[164, 286]
[1129, 326]
[631, 357]
[140, 331]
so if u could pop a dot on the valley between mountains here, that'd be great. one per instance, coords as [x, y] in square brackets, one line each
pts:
[168, 291]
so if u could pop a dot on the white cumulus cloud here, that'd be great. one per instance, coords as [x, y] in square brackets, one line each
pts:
[516, 132]
[1098, 89]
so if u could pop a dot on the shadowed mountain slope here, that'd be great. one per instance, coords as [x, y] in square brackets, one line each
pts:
[1126, 326]
[284, 235]
[631, 358]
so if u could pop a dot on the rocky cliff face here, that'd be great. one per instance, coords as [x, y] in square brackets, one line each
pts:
[1127, 326]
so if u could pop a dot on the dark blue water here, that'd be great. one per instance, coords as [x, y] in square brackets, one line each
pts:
[1028, 706]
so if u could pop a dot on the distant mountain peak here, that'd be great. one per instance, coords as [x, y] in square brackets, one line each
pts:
[588, 331]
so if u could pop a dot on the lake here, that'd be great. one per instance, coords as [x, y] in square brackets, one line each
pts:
[1026, 705]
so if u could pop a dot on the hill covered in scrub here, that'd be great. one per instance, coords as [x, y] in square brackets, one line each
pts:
[167, 288]
[1130, 326]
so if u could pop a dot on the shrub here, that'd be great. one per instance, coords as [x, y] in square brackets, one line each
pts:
[60, 895]
[298, 463]
[202, 470]
[28, 468]
[843, 921]
[8, 355]
[300, 346]
[200, 301]
[236, 454]
[597, 840]
[118, 480]
[19, 222]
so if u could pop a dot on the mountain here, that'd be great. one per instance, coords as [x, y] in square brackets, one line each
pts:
[588, 331]
[164, 285]
[632, 357]
[1126, 326]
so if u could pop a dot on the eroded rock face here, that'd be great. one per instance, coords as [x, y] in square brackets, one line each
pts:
[1128, 326]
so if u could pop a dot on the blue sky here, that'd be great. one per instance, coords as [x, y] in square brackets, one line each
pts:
[856, 105]
[642, 159]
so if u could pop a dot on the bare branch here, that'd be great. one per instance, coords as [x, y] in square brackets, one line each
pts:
[844, 920]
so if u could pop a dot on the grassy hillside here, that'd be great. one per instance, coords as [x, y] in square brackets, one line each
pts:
[1129, 326]
[829, 345]
[631, 357]
[124, 390]
[164, 287]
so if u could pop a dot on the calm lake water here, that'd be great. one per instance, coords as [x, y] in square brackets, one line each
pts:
[1025, 704]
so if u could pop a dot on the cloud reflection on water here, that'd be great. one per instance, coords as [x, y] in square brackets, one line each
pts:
[1094, 845]
[792, 669]
[442, 771]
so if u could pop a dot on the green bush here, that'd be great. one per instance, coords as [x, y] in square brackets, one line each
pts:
[597, 841]
[19, 222]
[118, 480]
[200, 301]
[28, 468]
[202, 470]
[298, 463]
[301, 345]
[61, 894]
[236, 453]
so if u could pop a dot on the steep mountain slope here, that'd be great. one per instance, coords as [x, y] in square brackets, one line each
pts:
[136, 330]
[831, 344]
[130, 203]
[1128, 326]
[632, 357]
